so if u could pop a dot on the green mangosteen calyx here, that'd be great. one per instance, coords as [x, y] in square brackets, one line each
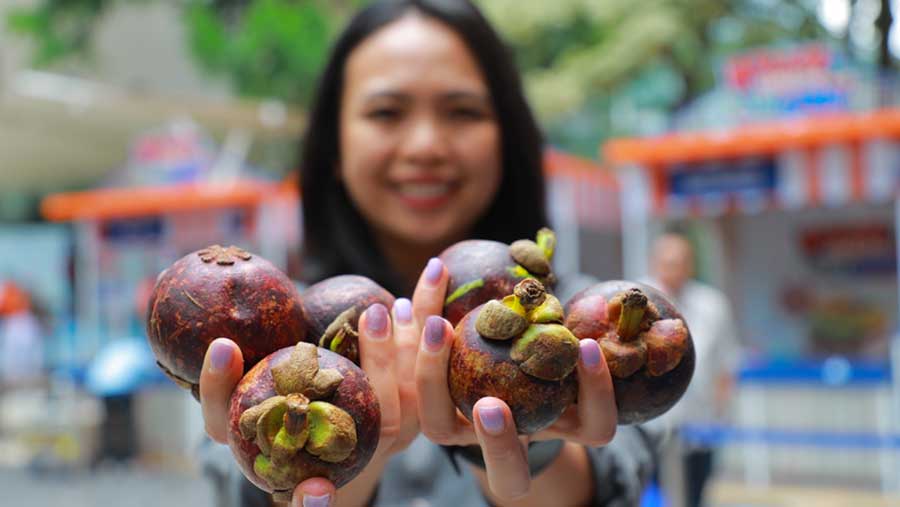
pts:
[296, 419]
[301, 374]
[464, 289]
[641, 338]
[534, 256]
[501, 320]
[341, 335]
[546, 351]
[542, 346]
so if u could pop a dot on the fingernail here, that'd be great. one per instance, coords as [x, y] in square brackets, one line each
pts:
[316, 501]
[219, 356]
[376, 320]
[433, 270]
[590, 353]
[403, 310]
[492, 419]
[434, 333]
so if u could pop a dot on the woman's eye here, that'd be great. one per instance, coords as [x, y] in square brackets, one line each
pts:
[467, 113]
[383, 114]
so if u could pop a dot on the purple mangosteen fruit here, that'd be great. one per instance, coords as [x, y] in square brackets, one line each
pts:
[220, 292]
[303, 412]
[332, 308]
[645, 341]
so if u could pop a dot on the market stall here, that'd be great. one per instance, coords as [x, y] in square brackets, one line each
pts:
[177, 193]
[798, 219]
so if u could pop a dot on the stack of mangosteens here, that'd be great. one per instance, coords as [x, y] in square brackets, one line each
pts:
[305, 409]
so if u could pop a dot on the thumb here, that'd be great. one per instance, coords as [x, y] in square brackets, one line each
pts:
[223, 367]
[315, 492]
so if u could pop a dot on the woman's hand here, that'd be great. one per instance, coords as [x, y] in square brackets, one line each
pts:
[388, 348]
[591, 422]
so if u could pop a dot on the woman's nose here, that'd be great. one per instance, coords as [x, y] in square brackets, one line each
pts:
[424, 142]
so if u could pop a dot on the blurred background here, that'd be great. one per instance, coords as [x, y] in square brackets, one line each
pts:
[766, 131]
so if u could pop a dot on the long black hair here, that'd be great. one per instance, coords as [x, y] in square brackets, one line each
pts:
[336, 237]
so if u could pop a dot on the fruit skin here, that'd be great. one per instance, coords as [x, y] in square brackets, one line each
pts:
[482, 367]
[472, 260]
[324, 301]
[220, 292]
[641, 396]
[354, 395]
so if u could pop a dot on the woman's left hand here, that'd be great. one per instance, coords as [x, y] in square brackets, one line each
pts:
[591, 422]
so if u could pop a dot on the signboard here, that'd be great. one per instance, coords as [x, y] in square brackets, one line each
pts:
[798, 80]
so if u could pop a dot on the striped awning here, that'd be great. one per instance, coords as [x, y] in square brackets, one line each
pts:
[819, 161]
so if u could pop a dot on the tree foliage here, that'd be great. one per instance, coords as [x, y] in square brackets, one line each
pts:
[593, 68]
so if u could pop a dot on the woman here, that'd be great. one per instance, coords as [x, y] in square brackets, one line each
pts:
[420, 136]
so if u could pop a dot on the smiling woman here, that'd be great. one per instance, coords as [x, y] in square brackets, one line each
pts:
[420, 137]
[417, 141]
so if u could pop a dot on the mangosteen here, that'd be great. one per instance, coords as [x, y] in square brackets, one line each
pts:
[332, 308]
[516, 349]
[482, 270]
[303, 412]
[220, 292]
[645, 341]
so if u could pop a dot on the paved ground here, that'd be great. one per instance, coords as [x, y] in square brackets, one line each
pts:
[108, 486]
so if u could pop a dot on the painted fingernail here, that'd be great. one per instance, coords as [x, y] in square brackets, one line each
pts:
[376, 320]
[433, 270]
[434, 333]
[219, 356]
[403, 311]
[317, 501]
[492, 419]
[590, 352]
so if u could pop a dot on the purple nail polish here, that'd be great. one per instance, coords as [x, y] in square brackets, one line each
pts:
[403, 310]
[219, 356]
[590, 352]
[317, 501]
[434, 333]
[376, 319]
[433, 270]
[492, 419]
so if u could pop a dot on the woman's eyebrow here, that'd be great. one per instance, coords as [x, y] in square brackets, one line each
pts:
[386, 95]
[465, 95]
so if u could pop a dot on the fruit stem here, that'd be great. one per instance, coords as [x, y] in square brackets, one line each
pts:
[634, 305]
[530, 293]
[546, 239]
[295, 416]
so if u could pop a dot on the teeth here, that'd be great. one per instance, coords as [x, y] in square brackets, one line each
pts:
[424, 190]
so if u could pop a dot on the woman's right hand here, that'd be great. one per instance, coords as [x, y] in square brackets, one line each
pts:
[388, 351]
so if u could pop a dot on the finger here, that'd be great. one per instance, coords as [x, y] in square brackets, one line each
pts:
[504, 454]
[376, 355]
[406, 344]
[437, 413]
[223, 367]
[593, 420]
[406, 341]
[596, 399]
[315, 492]
[428, 298]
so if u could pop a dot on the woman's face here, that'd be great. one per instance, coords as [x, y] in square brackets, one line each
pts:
[419, 140]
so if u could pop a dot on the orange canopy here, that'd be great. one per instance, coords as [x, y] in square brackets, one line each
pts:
[758, 139]
[135, 202]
